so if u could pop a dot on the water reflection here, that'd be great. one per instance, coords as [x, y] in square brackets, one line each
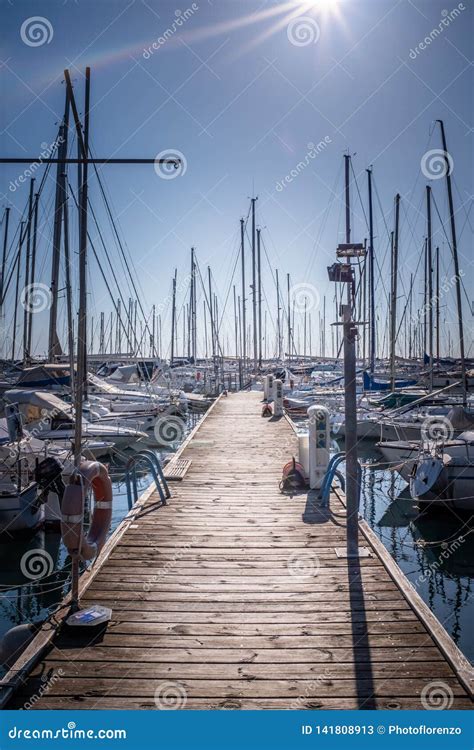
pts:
[434, 547]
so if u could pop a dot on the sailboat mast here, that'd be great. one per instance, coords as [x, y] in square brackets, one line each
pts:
[457, 276]
[371, 276]
[394, 282]
[437, 304]
[28, 290]
[4, 256]
[278, 348]
[254, 288]
[244, 324]
[173, 317]
[259, 285]
[429, 262]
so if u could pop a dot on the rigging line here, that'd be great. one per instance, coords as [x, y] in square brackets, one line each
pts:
[358, 193]
[463, 203]
[21, 239]
[103, 245]
[327, 210]
[119, 317]
[208, 306]
[229, 288]
[113, 222]
[121, 247]
[460, 280]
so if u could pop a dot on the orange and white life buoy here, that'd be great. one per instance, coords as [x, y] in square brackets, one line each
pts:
[90, 474]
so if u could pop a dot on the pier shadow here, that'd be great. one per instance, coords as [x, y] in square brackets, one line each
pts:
[364, 677]
[315, 513]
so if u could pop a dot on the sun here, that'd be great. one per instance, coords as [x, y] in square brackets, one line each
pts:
[325, 7]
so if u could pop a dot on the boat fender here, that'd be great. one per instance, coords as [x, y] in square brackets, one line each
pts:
[15, 641]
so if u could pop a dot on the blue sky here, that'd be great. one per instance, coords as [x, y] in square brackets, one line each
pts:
[241, 89]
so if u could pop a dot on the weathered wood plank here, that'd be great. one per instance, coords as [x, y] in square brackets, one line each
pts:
[235, 592]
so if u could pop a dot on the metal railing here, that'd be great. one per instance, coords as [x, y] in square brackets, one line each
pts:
[151, 461]
[331, 472]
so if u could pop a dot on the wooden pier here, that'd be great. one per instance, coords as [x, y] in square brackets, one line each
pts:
[232, 596]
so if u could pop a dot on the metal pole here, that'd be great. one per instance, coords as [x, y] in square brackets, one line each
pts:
[259, 270]
[27, 290]
[372, 337]
[278, 317]
[33, 269]
[173, 316]
[17, 290]
[254, 289]
[347, 197]
[430, 282]
[4, 256]
[437, 305]
[235, 326]
[350, 408]
[456, 262]
[393, 306]
[289, 319]
[58, 216]
[244, 324]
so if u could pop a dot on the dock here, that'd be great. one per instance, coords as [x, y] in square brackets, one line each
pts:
[232, 596]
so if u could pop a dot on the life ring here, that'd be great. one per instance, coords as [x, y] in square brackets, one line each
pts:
[90, 474]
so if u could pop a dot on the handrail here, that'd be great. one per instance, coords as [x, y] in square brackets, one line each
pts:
[331, 472]
[151, 460]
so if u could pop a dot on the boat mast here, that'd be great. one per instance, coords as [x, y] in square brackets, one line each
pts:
[394, 281]
[259, 285]
[82, 317]
[27, 290]
[58, 202]
[278, 316]
[457, 277]
[4, 256]
[235, 325]
[173, 317]
[17, 286]
[429, 262]
[32, 270]
[371, 276]
[254, 288]
[289, 319]
[437, 304]
[244, 324]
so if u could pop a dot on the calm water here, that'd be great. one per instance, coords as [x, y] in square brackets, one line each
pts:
[434, 550]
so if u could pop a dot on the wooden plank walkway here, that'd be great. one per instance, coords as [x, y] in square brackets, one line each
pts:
[232, 596]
